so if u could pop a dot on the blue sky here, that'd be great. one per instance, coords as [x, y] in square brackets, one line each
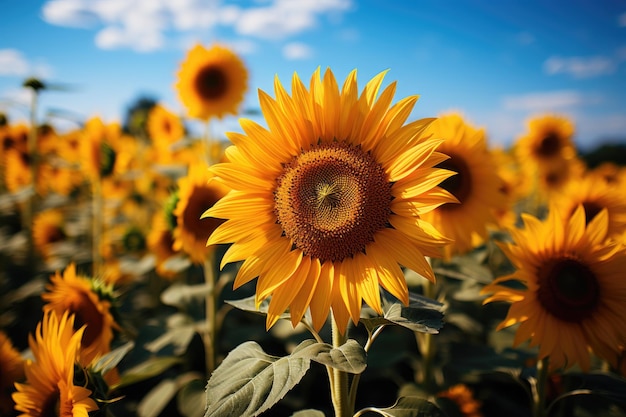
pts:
[498, 62]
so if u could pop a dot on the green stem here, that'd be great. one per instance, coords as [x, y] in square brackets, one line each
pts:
[540, 388]
[211, 315]
[426, 343]
[339, 379]
[97, 213]
[354, 384]
[29, 209]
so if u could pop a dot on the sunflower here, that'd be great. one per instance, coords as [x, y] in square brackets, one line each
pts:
[595, 194]
[97, 154]
[17, 173]
[553, 178]
[463, 397]
[48, 229]
[211, 82]
[11, 371]
[77, 294]
[548, 139]
[326, 204]
[164, 127]
[160, 242]
[477, 185]
[195, 194]
[575, 295]
[49, 388]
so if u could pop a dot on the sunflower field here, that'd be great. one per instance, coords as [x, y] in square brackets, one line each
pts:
[338, 259]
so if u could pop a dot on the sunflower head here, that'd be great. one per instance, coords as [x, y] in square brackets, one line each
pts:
[77, 294]
[164, 127]
[11, 371]
[48, 229]
[549, 138]
[49, 388]
[211, 82]
[476, 184]
[196, 192]
[326, 204]
[574, 297]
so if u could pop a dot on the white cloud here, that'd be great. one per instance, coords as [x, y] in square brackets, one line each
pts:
[297, 50]
[580, 67]
[142, 24]
[547, 101]
[12, 62]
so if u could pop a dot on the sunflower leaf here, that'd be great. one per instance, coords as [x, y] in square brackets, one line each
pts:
[249, 381]
[249, 304]
[152, 367]
[111, 359]
[416, 316]
[191, 399]
[308, 413]
[349, 357]
[410, 407]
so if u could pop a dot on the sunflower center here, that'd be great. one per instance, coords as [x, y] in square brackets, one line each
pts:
[211, 82]
[331, 199]
[460, 184]
[51, 407]
[86, 312]
[568, 289]
[591, 210]
[55, 234]
[200, 198]
[549, 145]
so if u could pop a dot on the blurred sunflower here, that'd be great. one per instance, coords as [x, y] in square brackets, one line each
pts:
[17, 174]
[195, 193]
[211, 82]
[160, 242]
[595, 194]
[554, 177]
[327, 202]
[11, 371]
[164, 127]
[549, 138]
[97, 154]
[575, 295]
[476, 185]
[77, 294]
[463, 397]
[48, 229]
[49, 389]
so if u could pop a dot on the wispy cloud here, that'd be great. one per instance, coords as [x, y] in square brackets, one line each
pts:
[142, 25]
[525, 38]
[621, 20]
[297, 50]
[547, 101]
[580, 67]
[14, 63]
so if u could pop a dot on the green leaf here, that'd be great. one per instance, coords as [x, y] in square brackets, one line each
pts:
[248, 304]
[112, 359]
[191, 399]
[179, 295]
[148, 369]
[249, 381]
[308, 413]
[350, 357]
[417, 317]
[410, 407]
[157, 399]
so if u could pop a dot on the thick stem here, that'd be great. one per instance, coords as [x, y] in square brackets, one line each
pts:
[540, 388]
[211, 315]
[339, 379]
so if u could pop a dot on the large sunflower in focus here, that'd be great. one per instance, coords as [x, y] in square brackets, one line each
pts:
[76, 294]
[326, 203]
[49, 389]
[211, 82]
[476, 186]
[575, 296]
[195, 193]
